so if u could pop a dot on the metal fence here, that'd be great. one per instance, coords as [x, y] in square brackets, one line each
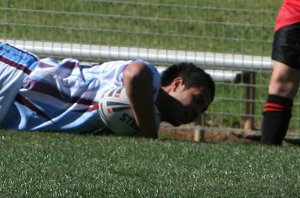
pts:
[220, 36]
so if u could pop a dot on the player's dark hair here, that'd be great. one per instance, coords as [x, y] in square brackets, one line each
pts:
[192, 76]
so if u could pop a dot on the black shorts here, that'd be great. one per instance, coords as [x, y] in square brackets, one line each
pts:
[286, 45]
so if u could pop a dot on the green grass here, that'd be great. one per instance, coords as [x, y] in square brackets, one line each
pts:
[243, 27]
[68, 165]
[64, 165]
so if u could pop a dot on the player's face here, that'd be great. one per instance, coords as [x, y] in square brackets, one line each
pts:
[192, 98]
[192, 102]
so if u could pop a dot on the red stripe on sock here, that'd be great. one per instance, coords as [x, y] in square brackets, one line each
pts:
[276, 107]
[272, 109]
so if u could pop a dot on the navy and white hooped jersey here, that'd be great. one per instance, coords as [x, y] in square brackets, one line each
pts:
[64, 96]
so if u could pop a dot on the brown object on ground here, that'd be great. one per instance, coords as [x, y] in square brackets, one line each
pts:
[215, 135]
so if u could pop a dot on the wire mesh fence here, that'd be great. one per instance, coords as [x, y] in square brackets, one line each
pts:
[218, 35]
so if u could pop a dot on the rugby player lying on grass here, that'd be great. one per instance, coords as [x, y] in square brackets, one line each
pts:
[47, 95]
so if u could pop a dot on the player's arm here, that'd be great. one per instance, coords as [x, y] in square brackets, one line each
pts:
[138, 84]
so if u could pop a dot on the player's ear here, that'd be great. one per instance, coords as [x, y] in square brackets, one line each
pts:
[178, 81]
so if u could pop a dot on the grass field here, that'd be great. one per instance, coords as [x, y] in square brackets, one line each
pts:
[69, 165]
[64, 165]
[218, 25]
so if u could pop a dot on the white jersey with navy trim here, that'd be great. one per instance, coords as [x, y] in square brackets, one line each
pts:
[64, 96]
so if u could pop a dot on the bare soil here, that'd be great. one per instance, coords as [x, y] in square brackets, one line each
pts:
[192, 133]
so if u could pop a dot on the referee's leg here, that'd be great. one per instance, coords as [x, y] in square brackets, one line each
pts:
[283, 87]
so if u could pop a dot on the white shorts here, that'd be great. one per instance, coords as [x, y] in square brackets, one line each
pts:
[15, 65]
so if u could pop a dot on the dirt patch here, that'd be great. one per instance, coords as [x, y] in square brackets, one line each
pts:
[215, 135]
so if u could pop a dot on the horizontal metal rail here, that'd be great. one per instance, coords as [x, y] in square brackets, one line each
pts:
[217, 60]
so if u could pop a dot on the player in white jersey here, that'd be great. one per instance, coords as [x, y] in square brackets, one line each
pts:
[47, 95]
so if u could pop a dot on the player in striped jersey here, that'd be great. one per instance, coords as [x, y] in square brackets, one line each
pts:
[48, 95]
[285, 77]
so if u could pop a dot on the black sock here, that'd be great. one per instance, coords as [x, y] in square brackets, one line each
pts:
[276, 118]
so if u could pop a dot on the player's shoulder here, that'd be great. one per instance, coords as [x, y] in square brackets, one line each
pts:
[149, 65]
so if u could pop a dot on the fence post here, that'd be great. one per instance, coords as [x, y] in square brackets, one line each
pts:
[199, 132]
[249, 80]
